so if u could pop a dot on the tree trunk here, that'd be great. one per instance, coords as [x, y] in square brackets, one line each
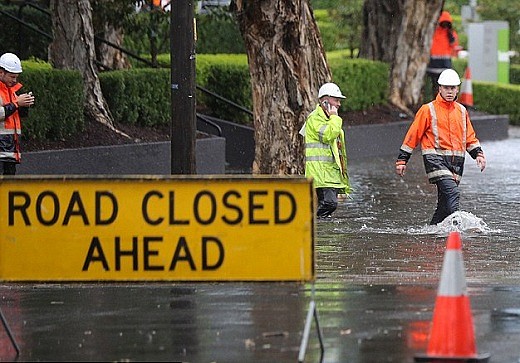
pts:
[287, 66]
[400, 32]
[73, 48]
[109, 56]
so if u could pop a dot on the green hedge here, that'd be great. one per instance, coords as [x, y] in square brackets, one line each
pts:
[142, 96]
[58, 109]
[498, 99]
[364, 82]
[228, 76]
[460, 66]
[514, 74]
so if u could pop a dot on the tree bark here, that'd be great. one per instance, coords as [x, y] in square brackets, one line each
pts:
[400, 32]
[73, 48]
[287, 66]
[109, 56]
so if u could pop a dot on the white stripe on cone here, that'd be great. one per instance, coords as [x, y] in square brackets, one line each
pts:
[453, 278]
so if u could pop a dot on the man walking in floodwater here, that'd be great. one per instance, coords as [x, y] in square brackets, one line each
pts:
[444, 129]
[325, 150]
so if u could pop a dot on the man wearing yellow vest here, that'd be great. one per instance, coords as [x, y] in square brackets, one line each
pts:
[11, 103]
[444, 130]
[325, 151]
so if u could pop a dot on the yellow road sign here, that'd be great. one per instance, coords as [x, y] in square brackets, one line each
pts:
[156, 228]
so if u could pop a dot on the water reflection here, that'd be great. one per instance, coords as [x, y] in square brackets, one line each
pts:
[381, 240]
[382, 234]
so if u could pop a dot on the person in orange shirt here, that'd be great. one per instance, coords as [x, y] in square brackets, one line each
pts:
[10, 119]
[444, 130]
[445, 45]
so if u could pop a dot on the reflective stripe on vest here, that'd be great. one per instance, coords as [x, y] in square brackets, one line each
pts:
[4, 131]
[443, 152]
[321, 132]
[8, 154]
[316, 145]
[443, 172]
[435, 128]
[329, 159]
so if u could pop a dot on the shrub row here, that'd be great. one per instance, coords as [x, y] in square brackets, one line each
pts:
[498, 99]
[58, 109]
[514, 74]
[142, 96]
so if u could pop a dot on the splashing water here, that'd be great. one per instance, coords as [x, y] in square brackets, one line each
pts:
[464, 222]
[459, 221]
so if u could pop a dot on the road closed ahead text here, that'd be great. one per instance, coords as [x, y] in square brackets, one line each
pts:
[157, 229]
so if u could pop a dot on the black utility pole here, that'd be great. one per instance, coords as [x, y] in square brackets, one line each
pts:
[182, 53]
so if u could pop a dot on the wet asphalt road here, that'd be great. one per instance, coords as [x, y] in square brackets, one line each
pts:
[378, 268]
[249, 322]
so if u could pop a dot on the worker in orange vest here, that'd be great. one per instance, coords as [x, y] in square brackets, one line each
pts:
[10, 120]
[444, 131]
[445, 45]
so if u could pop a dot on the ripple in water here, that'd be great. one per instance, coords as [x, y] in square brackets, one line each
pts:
[460, 221]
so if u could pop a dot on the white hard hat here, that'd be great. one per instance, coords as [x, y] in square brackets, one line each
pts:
[11, 63]
[449, 77]
[330, 89]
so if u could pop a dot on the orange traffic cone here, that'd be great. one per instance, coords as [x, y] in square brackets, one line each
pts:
[452, 335]
[466, 90]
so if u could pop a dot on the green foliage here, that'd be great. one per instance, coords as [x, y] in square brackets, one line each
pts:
[514, 74]
[118, 13]
[328, 30]
[460, 65]
[364, 82]
[140, 96]
[453, 6]
[498, 99]
[323, 4]
[348, 20]
[21, 40]
[58, 109]
[217, 32]
[141, 28]
[340, 28]
[228, 76]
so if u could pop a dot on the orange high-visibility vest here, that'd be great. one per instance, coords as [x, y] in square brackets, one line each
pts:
[10, 127]
[445, 133]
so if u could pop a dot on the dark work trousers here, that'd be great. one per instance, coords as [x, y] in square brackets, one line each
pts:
[327, 201]
[8, 168]
[447, 199]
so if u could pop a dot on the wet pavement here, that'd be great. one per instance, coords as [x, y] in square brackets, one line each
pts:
[377, 272]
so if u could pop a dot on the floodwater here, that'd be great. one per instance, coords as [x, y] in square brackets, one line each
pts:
[377, 271]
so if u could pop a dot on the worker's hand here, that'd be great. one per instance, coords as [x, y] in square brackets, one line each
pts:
[400, 169]
[25, 99]
[481, 162]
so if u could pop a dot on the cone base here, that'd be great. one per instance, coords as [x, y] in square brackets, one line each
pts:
[484, 357]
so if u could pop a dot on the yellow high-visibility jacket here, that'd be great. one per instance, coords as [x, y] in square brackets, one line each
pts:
[325, 151]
